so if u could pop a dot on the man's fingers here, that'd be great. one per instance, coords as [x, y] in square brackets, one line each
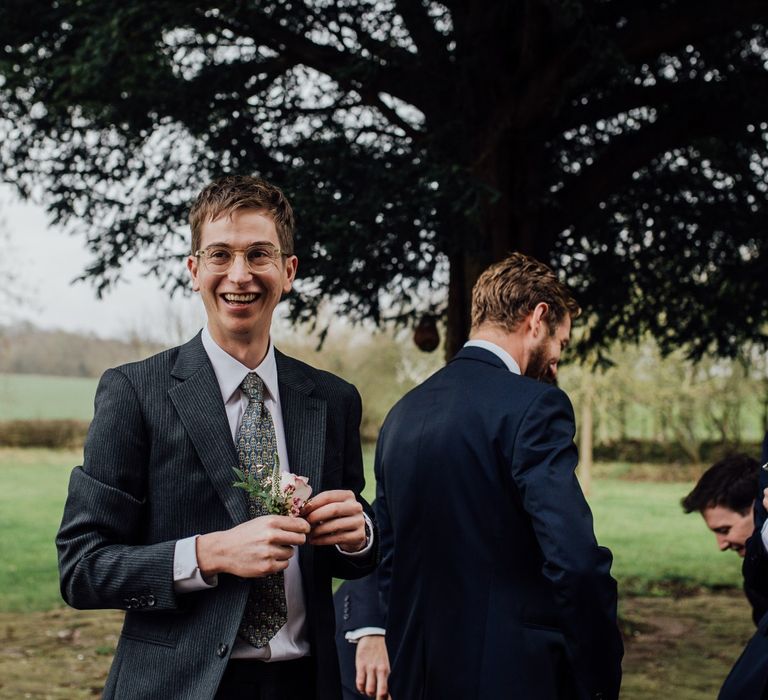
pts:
[337, 526]
[287, 523]
[280, 537]
[360, 678]
[327, 498]
[370, 683]
[382, 691]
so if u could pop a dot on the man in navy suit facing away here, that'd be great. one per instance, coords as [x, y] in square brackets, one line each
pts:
[492, 579]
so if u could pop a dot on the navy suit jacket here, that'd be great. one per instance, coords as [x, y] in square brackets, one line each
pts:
[158, 468]
[494, 583]
[358, 604]
[748, 678]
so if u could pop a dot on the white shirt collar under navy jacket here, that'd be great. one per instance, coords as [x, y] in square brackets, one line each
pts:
[501, 353]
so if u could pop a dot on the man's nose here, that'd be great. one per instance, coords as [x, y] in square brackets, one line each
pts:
[723, 543]
[239, 271]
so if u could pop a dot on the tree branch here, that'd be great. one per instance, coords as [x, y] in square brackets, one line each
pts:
[635, 150]
[422, 29]
[352, 72]
[664, 94]
[648, 33]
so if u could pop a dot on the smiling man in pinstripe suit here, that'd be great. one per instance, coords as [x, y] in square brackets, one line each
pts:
[152, 523]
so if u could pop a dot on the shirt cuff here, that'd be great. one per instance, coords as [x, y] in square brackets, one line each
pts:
[764, 535]
[368, 544]
[354, 636]
[186, 573]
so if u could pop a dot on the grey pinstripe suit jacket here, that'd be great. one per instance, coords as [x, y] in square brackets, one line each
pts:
[157, 468]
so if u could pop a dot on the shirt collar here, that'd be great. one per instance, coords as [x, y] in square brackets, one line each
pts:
[231, 372]
[500, 352]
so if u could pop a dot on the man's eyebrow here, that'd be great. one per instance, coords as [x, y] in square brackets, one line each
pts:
[219, 244]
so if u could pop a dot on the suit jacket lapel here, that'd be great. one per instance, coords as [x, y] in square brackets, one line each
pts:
[304, 419]
[197, 400]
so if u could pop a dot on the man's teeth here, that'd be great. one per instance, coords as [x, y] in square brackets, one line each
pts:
[243, 298]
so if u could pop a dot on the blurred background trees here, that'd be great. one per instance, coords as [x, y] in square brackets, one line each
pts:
[419, 141]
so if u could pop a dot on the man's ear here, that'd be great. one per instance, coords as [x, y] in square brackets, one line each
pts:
[538, 317]
[192, 267]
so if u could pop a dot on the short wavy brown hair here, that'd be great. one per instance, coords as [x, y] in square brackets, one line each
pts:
[509, 290]
[227, 194]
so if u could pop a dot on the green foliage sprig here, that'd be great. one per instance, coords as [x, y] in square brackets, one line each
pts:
[266, 490]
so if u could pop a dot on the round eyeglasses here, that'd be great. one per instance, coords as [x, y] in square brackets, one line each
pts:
[218, 259]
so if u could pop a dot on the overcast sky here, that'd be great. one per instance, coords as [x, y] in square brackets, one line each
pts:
[51, 260]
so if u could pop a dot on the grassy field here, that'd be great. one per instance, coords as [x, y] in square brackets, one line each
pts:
[676, 646]
[30, 396]
[657, 548]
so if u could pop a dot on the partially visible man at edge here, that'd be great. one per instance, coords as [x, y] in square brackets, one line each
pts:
[222, 599]
[725, 497]
[749, 676]
[494, 584]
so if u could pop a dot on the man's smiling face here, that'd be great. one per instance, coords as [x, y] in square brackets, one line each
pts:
[239, 303]
[732, 529]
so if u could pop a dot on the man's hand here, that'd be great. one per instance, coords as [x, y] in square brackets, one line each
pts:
[258, 547]
[765, 498]
[372, 667]
[336, 517]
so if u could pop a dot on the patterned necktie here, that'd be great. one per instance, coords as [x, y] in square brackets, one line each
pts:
[265, 611]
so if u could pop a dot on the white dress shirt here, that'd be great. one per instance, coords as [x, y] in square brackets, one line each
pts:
[291, 641]
[500, 352]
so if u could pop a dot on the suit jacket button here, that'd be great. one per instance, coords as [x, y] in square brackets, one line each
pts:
[151, 601]
[134, 602]
[127, 602]
[143, 601]
[221, 652]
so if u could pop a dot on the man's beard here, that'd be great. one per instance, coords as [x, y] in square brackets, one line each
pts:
[538, 366]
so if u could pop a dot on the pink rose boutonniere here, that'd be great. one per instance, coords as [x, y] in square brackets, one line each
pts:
[283, 493]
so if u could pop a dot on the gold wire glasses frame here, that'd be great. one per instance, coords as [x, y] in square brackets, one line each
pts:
[218, 260]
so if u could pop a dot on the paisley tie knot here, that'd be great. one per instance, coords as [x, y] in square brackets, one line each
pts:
[253, 387]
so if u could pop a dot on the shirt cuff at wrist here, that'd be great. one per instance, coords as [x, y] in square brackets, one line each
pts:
[354, 636]
[186, 573]
[368, 544]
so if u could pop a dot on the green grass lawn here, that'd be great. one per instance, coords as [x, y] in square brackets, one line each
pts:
[655, 545]
[30, 396]
[33, 486]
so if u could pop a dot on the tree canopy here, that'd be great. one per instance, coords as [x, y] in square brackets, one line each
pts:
[624, 142]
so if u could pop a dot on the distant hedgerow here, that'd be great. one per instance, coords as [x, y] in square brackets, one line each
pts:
[43, 433]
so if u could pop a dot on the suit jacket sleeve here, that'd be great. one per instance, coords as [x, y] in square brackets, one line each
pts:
[543, 463]
[755, 567]
[359, 604]
[104, 561]
[343, 566]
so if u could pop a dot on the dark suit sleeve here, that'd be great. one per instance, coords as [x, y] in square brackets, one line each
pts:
[103, 560]
[343, 566]
[543, 463]
[755, 567]
[384, 522]
[358, 604]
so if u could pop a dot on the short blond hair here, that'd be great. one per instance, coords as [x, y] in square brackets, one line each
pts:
[227, 194]
[509, 290]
